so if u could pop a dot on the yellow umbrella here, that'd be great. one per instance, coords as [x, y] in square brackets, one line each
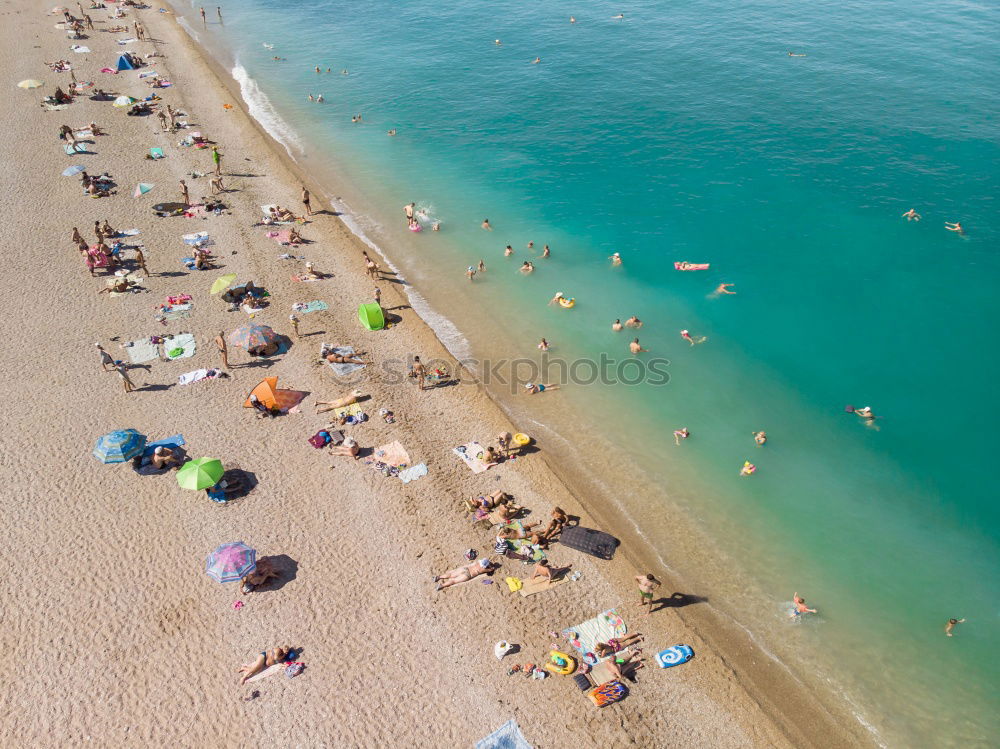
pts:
[223, 283]
[30, 83]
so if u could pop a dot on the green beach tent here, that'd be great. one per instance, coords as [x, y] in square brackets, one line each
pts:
[371, 316]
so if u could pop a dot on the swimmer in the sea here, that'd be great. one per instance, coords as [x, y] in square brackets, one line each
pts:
[867, 416]
[526, 267]
[616, 326]
[681, 434]
[635, 348]
[687, 337]
[392, 132]
[619, 17]
[559, 296]
[911, 215]
[794, 54]
[533, 389]
[572, 19]
[317, 69]
[800, 606]
[723, 288]
[954, 226]
[951, 625]
[633, 322]
[760, 438]
[545, 251]
[531, 245]
[486, 225]
[508, 251]
[497, 42]
[543, 345]
[616, 259]
[536, 61]
[320, 98]
[482, 266]
[470, 273]
[436, 226]
[312, 98]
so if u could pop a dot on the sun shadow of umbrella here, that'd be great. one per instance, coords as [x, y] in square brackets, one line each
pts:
[287, 569]
[246, 479]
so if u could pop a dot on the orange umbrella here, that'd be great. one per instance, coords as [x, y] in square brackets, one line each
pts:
[267, 393]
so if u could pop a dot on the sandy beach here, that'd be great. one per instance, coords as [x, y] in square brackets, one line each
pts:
[120, 637]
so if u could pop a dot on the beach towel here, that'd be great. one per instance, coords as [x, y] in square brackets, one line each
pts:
[585, 636]
[184, 341]
[84, 134]
[198, 238]
[392, 454]
[175, 312]
[80, 49]
[126, 41]
[538, 585]
[133, 281]
[141, 351]
[306, 308]
[176, 441]
[472, 454]
[198, 375]
[128, 233]
[156, 153]
[508, 736]
[413, 473]
[341, 370]
[71, 149]
[352, 410]
[146, 74]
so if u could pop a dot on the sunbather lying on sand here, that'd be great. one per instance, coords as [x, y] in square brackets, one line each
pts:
[341, 359]
[264, 571]
[349, 449]
[265, 659]
[615, 644]
[463, 574]
[632, 662]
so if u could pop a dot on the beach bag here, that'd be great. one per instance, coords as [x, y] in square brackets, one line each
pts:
[294, 669]
[320, 439]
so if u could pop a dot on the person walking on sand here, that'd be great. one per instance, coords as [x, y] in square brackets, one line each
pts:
[635, 348]
[122, 369]
[220, 342]
[800, 607]
[419, 372]
[107, 363]
[185, 195]
[951, 625]
[306, 201]
[163, 119]
[647, 584]
[295, 325]
[911, 215]
[217, 159]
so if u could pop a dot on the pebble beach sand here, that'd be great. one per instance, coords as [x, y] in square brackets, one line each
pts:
[114, 634]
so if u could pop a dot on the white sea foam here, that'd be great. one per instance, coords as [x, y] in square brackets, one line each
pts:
[184, 24]
[262, 110]
[446, 331]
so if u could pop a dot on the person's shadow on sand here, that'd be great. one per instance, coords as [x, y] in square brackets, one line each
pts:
[676, 601]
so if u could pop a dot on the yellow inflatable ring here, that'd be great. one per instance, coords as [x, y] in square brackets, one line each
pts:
[567, 303]
[554, 667]
[521, 439]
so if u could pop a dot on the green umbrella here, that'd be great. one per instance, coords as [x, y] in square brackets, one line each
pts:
[200, 474]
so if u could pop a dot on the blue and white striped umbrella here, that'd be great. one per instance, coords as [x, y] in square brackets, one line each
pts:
[117, 447]
[231, 562]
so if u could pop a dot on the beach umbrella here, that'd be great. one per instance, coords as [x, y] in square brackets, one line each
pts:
[250, 336]
[123, 101]
[200, 474]
[73, 170]
[142, 188]
[117, 447]
[231, 562]
[223, 283]
[30, 83]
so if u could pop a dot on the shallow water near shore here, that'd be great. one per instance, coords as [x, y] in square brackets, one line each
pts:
[690, 134]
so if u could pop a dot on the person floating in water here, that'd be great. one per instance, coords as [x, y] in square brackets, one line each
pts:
[687, 337]
[633, 322]
[392, 132]
[800, 606]
[486, 225]
[534, 389]
[723, 288]
[867, 416]
[543, 345]
[911, 215]
[508, 251]
[951, 625]
[635, 348]
[572, 19]
[748, 469]
[616, 259]
[954, 226]
[681, 434]
[536, 61]
[498, 42]
[616, 326]
[760, 438]
[619, 17]
[793, 54]
[545, 251]
[527, 267]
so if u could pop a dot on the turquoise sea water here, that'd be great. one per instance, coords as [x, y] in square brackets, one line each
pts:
[686, 132]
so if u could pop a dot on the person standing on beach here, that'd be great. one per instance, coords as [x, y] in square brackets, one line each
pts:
[408, 211]
[122, 369]
[295, 325]
[419, 372]
[951, 625]
[305, 201]
[107, 363]
[163, 119]
[140, 261]
[220, 342]
[217, 159]
[218, 12]
[185, 196]
[378, 296]
[203, 19]
[647, 584]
